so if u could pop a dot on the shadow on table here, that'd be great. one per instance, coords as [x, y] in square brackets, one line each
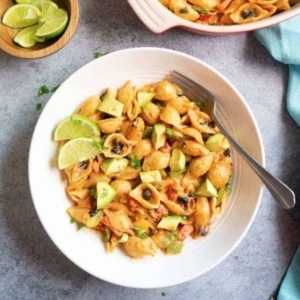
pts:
[289, 167]
[29, 243]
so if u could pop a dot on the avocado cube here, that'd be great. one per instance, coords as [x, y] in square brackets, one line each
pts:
[169, 222]
[158, 136]
[105, 194]
[206, 189]
[217, 142]
[150, 176]
[111, 106]
[113, 165]
[144, 98]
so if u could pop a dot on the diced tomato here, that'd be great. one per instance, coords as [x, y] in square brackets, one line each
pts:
[172, 192]
[203, 18]
[133, 202]
[166, 148]
[184, 231]
[96, 167]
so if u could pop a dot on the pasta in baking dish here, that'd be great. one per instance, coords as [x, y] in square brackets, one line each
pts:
[161, 175]
[227, 12]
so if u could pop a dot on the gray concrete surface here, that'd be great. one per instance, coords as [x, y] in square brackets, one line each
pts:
[31, 267]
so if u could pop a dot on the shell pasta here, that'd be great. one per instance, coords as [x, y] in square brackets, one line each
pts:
[161, 172]
[226, 12]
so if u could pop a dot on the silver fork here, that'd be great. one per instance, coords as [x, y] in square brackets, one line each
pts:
[282, 194]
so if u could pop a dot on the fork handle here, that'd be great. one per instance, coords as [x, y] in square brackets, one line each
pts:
[282, 194]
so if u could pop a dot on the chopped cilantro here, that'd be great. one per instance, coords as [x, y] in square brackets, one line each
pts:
[173, 235]
[133, 38]
[163, 294]
[53, 90]
[200, 103]
[107, 235]
[140, 232]
[169, 131]
[228, 189]
[98, 54]
[79, 226]
[38, 106]
[43, 90]
[72, 221]
[99, 145]
[135, 162]
[94, 193]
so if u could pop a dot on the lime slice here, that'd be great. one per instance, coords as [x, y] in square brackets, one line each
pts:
[55, 26]
[21, 16]
[74, 127]
[75, 151]
[37, 3]
[49, 10]
[26, 37]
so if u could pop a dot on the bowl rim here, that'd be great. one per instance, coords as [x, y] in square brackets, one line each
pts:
[261, 159]
[161, 19]
[51, 49]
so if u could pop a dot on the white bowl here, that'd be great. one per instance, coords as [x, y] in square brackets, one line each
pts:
[159, 19]
[85, 248]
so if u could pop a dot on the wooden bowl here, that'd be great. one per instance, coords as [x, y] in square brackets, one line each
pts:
[40, 49]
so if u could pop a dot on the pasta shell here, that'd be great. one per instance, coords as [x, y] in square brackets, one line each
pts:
[179, 210]
[184, 10]
[247, 13]
[263, 2]
[165, 90]
[170, 116]
[193, 148]
[80, 215]
[142, 149]
[193, 133]
[128, 173]
[79, 194]
[110, 125]
[182, 104]
[234, 5]
[126, 93]
[150, 113]
[223, 5]
[208, 4]
[116, 145]
[202, 122]
[200, 165]
[135, 132]
[89, 107]
[157, 160]
[154, 199]
[202, 216]
[220, 172]
[118, 220]
[137, 248]
[123, 187]
[79, 171]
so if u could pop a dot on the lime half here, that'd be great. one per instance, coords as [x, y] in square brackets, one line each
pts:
[21, 16]
[49, 10]
[54, 26]
[75, 151]
[74, 127]
[26, 38]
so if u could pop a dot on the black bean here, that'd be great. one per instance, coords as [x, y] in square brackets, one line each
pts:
[117, 150]
[211, 124]
[204, 231]
[227, 152]
[83, 164]
[183, 199]
[184, 11]
[92, 212]
[247, 13]
[146, 194]
[151, 231]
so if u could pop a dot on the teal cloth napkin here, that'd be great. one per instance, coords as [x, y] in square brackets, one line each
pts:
[283, 43]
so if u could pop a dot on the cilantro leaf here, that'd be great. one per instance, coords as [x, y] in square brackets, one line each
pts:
[163, 294]
[79, 226]
[140, 232]
[169, 131]
[38, 106]
[98, 54]
[53, 90]
[135, 162]
[72, 221]
[228, 189]
[43, 90]
[99, 145]
[94, 193]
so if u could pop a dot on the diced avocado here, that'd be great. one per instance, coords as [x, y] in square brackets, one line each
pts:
[111, 106]
[147, 132]
[123, 238]
[221, 194]
[177, 161]
[150, 176]
[217, 142]
[169, 222]
[158, 136]
[105, 194]
[144, 98]
[114, 165]
[206, 189]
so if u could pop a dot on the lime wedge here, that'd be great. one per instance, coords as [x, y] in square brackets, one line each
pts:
[74, 127]
[21, 16]
[26, 37]
[54, 26]
[49, 10]
[75, 151]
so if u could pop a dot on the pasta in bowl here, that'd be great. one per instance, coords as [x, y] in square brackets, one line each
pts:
[161, 172]
[48, 189]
